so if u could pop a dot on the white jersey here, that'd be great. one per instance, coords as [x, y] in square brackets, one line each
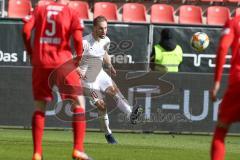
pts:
[95, 48]
[94, 77]
[93, 51]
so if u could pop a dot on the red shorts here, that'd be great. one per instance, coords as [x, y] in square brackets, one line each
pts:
[43, 79]
[229, 110]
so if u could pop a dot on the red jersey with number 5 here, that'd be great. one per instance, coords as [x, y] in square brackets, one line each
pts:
[53, 26]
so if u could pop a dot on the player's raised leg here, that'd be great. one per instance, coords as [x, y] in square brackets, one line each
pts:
[123, 105]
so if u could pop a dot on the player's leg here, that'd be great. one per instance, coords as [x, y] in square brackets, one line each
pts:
[120, 100]
[94, 92]
[103, 116]
[123, 105]
[78, 125]
[38, 123]
[96, 99]
[79, 128]
[218, 144]
[104, 121]
[42, 94]
[71, 89]
[228, 113]
[108, 86]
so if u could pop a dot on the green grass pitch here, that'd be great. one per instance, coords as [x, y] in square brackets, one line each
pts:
[57, 145]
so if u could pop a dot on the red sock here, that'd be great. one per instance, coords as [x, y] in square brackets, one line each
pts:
[79, 127]
[38, 120]
[218, 146]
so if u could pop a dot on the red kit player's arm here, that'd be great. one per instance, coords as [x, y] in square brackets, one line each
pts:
[224, 44]
[26, 33]
[77, 29]
[77, 39]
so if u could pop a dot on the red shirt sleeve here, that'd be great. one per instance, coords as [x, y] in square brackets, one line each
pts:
[224, 44]
[28, 25]
[77, 22]
[77, 27]
[77, 38]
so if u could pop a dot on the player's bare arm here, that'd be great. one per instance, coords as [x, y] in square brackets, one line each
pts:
[107, 61]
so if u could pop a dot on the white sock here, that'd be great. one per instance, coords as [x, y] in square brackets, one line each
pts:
[104, 122]
[122, 104]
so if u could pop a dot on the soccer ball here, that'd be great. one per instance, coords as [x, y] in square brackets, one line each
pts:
[199, 41]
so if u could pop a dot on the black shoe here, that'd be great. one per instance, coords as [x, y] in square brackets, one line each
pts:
[110, 139]
[137, 111]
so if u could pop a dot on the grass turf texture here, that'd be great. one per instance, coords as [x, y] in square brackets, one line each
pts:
[57, 145]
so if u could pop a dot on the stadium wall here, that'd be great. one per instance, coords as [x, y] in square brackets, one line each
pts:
[174, 102]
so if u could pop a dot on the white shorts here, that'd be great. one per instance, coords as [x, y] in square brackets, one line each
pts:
[94, 89]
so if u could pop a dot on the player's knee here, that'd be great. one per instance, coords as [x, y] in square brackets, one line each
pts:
[40, 106]
[224, 125]
[79, 102]
[101, 105]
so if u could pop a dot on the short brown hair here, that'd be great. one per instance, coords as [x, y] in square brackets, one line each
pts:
[99, 19]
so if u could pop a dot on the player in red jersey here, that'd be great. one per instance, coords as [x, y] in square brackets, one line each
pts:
[229, 111]
[53, 25]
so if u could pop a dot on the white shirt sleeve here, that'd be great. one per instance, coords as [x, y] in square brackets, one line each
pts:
[85, 46]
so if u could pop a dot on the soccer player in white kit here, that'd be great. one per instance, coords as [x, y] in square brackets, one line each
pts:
[96, 81]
